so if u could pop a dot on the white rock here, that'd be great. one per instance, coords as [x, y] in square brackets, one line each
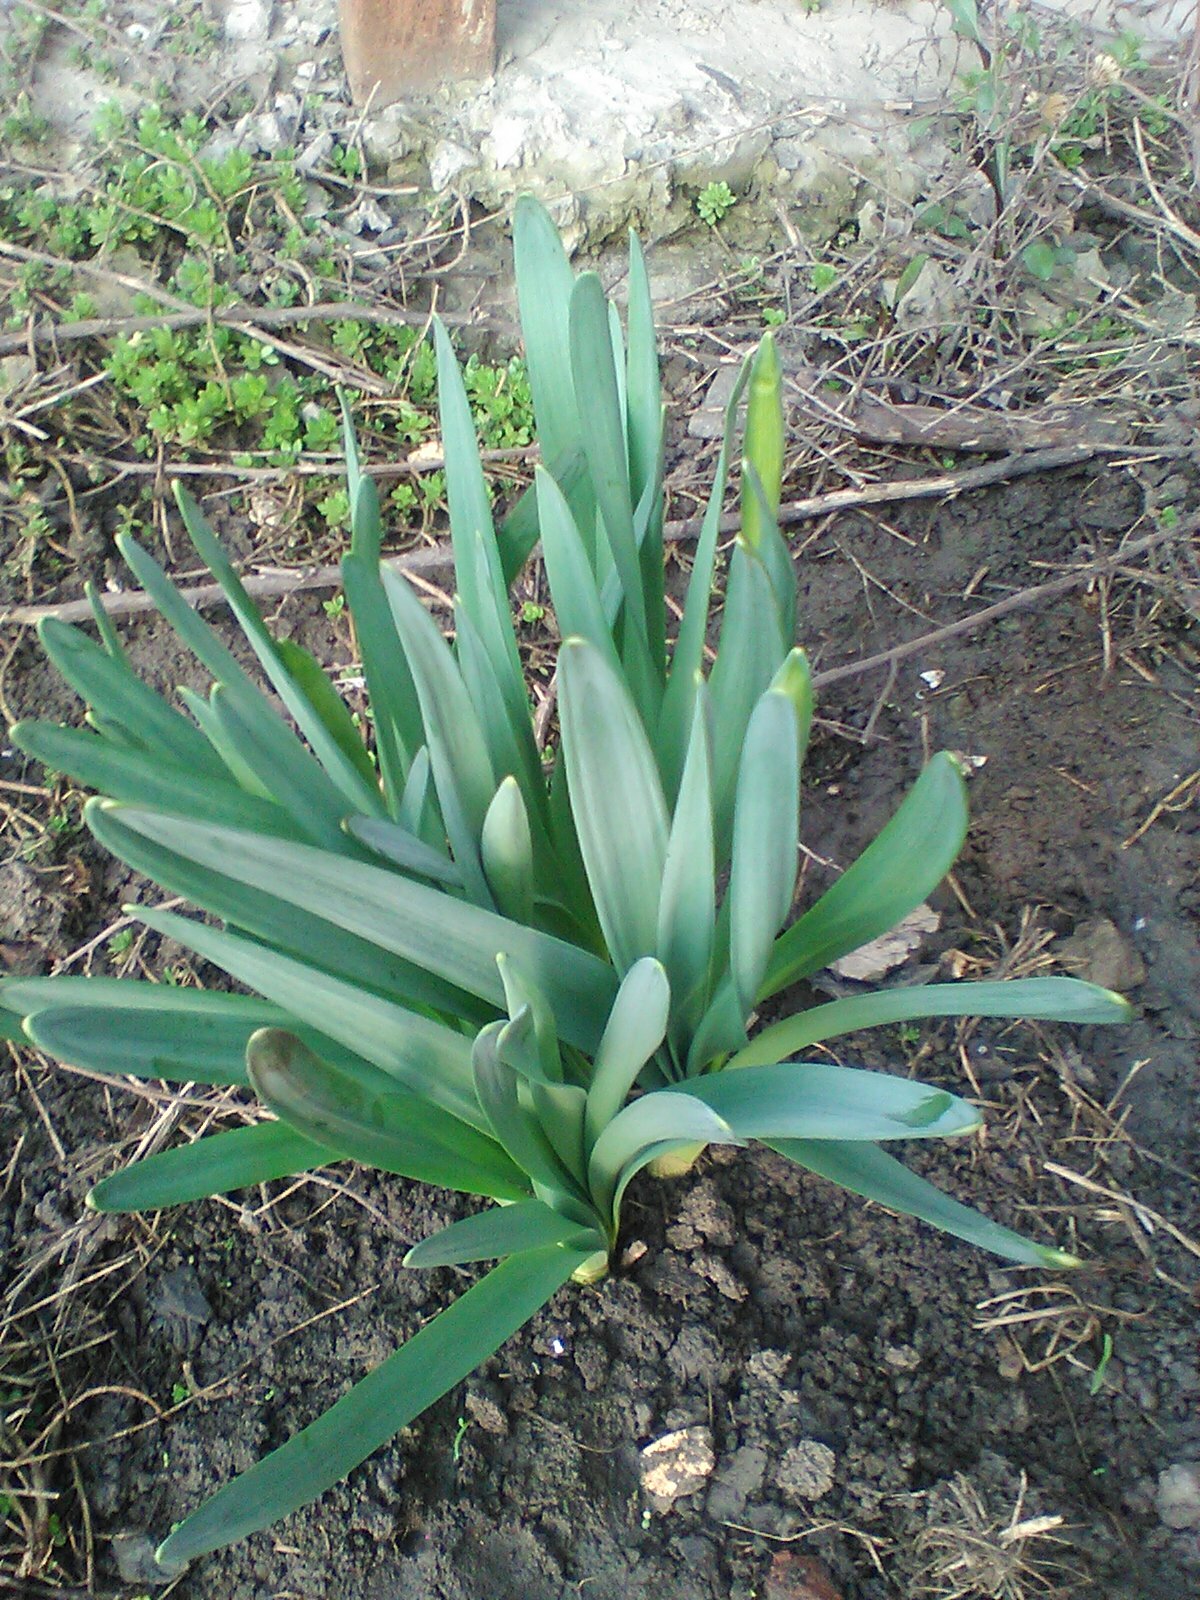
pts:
[266, 132]
[806, 1472]
[368, 216]
[677, 1465]
[1178, 1498]
[508, 141]
[445, 164]
[384, 137]
[314, 152]
[249, 19]
[933, 299]
[14, 372]
[890, 949]
[708, 420]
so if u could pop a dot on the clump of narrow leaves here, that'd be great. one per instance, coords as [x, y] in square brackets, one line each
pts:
[522, 984]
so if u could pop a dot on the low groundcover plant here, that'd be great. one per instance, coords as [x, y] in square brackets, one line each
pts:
[520, 981]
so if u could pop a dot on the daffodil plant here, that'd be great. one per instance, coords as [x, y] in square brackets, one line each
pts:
[459, 965]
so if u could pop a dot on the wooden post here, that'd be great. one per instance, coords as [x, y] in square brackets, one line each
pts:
[395, 47]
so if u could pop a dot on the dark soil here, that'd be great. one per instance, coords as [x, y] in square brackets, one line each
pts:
[758, 1303]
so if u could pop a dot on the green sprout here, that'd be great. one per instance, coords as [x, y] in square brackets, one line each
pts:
[714, 202]
[1096, 1382]
[520, 976]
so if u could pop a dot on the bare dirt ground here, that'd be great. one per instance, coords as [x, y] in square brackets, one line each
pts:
[891, 1414]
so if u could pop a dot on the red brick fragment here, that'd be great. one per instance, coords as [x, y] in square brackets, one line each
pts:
[798, 1577]
[396, 47]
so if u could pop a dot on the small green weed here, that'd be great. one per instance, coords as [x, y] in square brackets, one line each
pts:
[1096, 1383]
[202, 225]
[714, 203]
[1081, 342]
[1024, 65]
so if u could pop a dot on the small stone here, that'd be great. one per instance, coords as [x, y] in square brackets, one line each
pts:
[249, 19]
[890, 950]
[486, 1413]
[1100, 953]
[266, 132]
[709, 1215]
[932, 298]
[708, 420]
[368, 216]
[134, 1555]
[806, 1472]
[14, 372]
[739, 1477]
[384, 136]
[1010, 1364]
[445, 164]
[721, 1277]
[180, 1306]
[1178, 1498]
[314, 152]
[677, 1465]
[902, 1358]
[111, 296]
[225, 141]
[799, 1577]
[768, 1367]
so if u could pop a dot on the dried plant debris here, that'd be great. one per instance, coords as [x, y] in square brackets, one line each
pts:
[974, 1546]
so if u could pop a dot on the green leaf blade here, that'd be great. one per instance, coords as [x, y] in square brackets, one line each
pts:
[444, 1352]
[150, 780]
[894, 874]
[399, 731]
[577, 602]
[866, 1170]
[764, 446]
[423, 1055]
[218, 1163]
[361, 792]
[105, 681]
[750, 652]
[544, 283]
[636, 1028]
[675, 719]
[766, 852]
[687, 907]
[1030, 999]
[500, 1232]
[616, 799]
[814, 1100]
[458, 748]
[456, 942]
[374, 1121]
[602, 417]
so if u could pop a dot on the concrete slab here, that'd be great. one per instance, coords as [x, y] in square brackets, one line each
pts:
[620, 112]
